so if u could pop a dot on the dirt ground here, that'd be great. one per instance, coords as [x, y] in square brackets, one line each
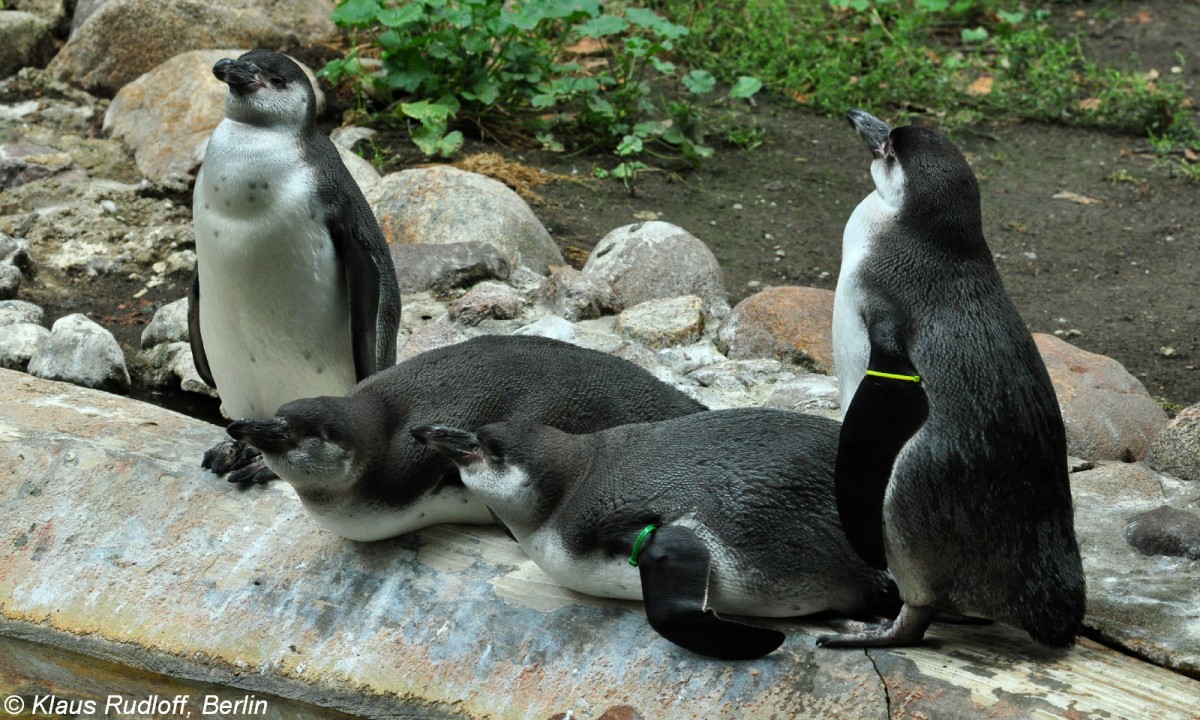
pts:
[1116, 270]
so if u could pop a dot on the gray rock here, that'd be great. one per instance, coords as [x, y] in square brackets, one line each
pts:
[429, 337]
[1146, 603]
[81, 352]
[25, 41]
[662, 323]
[687, 358]
[1176, 450]
[19, 342]
[487, 300]
[808, 393]
[1165, 531]
[242, 589]
[1107, 412]
[53, 12]
[169, 325]
[792, 324]
[107, 51]
[656, 260]
[15, 264]
[442, 204]
[575, 296]
[441, 269]
[166, 115]
[735, 373]
[169, 366]
[23, 162]
[551, 326]
[19, 311]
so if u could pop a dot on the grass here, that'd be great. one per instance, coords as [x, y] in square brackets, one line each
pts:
[957, 61]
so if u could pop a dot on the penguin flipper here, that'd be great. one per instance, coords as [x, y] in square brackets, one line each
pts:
[199, 358]
[374, 292]
[887, 410]
[674, 566]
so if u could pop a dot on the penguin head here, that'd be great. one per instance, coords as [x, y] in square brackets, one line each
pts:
[267, 88]
[494, 464]
[918, 169]
[308, 443]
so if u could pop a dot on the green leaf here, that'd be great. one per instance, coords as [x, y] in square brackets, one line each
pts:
[630, 145]
[406, 14]
[1011, 18]
[699, 81]
[628, 170]
[745, 87]
[664, 67]
[933, 5]
[487, 91]
[542, 101]
[978, 34]
[355, 13]
[643, 17]
[549, 143]
[603, 26]
[450, 144]
[651, 127]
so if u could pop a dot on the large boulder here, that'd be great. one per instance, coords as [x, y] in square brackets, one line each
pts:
[662, 323]
[167, 114]
[440, 269]
[441, 205]
[24, 41]
[1107, 411]
[790, 324]
[1176, 450]
[121, 39]
[54, 12]
[19, 342]
[656, 260]
[81, 352]
[23, 162]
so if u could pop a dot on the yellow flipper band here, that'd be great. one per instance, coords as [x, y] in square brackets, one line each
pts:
[893, 376]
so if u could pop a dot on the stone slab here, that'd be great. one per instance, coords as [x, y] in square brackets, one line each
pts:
[115, 545]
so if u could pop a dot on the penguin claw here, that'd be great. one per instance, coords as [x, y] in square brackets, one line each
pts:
[254, 473]
[239, 462]
[907, 629]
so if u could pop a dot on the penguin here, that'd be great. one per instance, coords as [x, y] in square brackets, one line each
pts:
[361, 475]
[951, 468]
[727, 511]
[294, 293]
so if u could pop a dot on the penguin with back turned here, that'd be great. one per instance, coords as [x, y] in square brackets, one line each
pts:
[726, 511]
[294, 294]
[951, 469]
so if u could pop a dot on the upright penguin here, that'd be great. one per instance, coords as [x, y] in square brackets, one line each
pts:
[728, 511]
[951, 467]
[361, 475]
[294, 293]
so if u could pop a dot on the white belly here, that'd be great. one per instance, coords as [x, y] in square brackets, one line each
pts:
[355, 519]
[274, 309]
[728, 591]
[851, 344]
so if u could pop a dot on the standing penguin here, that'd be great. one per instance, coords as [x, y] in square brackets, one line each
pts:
[951, 467]
[294, 293]
[728, 511]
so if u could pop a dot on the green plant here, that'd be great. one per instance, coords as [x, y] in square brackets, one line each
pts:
[959, 60]
[567, 71]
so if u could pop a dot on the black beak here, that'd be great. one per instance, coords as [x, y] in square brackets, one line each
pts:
[871, 129]
[269, 436]
[240, 75]
[459, 445]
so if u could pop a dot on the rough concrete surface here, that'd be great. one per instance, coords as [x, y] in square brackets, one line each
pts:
[114, 544]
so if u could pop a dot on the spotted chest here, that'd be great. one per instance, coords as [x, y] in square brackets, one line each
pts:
[273, 298]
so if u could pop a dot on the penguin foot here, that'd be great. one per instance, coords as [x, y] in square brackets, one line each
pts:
[239, 461]
[907, 629]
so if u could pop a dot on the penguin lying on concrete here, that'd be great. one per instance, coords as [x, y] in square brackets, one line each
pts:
[294, 293]
[728, 511]
[951, 469]
[360, 473]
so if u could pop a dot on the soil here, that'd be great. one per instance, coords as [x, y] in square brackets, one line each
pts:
[1112, 266]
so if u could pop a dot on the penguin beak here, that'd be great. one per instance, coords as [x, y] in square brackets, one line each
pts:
[459, 445]
[240, 75]
[271, 437]
[872, 130]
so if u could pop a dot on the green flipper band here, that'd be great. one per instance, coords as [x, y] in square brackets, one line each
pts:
[637, 544]
[894, 376]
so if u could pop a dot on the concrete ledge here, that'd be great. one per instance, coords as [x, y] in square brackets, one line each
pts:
[114, 544]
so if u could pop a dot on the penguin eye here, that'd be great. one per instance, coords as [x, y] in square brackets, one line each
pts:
[277, 82]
